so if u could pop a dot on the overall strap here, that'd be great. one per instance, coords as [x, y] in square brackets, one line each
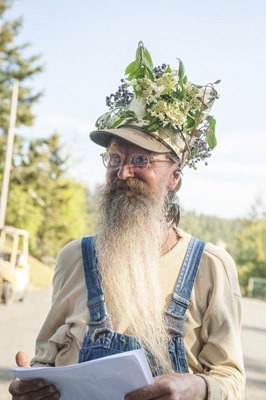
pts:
[180, 299]
[96, 302]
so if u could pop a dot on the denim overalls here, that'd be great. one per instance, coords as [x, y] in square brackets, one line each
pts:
[100, 339]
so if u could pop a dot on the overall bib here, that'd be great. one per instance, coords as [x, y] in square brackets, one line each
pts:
[100, 339]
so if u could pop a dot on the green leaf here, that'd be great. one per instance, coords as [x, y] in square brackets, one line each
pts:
[139, 54]
[181, 71]
[133, 68]
[210, 135]
[121, 119]
[130, 68]
[148, 73]
[190, 122]
[143, 56]
[102, 121]
[154, 124]
[211, 140]
[148, 59]
[138, 93]
[115, 122]
[212, 124]
[178, 95]
[152, 127]
[142, 66]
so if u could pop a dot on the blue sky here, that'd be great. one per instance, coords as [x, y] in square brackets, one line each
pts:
[85, 46]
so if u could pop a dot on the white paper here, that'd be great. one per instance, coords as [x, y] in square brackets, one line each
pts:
[107, 378]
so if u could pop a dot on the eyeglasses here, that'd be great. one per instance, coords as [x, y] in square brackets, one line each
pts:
[136, 161]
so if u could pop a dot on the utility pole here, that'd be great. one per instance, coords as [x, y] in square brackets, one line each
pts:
[9, 153]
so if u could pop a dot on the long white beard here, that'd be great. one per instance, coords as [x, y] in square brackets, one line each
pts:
[130, 233]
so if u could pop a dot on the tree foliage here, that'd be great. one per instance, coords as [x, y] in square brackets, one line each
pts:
[245, 239]
[14, 64]
[213, 229]
[43, 200]
[251, 245]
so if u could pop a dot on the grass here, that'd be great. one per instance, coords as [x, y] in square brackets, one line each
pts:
[41, 275]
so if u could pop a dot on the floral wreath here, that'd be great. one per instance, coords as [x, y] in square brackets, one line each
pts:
[164, 103]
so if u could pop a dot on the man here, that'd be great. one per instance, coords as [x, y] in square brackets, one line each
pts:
[148, 284]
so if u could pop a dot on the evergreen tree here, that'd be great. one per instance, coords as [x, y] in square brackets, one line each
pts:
[41, 199]
[220, 231]
[251, 245]
[52, 207]
[15, 65]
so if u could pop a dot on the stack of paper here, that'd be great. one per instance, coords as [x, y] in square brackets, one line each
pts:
[107, 378]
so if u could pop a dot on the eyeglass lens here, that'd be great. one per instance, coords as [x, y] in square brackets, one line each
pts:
[114, 161]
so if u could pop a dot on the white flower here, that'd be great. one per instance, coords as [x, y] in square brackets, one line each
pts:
[138, 106]
[158, 90]
[143, 122]
[152, 99]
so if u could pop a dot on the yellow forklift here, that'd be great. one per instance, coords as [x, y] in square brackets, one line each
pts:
[14, 267]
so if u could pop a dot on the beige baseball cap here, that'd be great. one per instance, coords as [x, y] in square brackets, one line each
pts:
[132, 134]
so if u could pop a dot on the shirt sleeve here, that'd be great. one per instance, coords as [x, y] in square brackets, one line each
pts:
[221, 354]
[62, 333]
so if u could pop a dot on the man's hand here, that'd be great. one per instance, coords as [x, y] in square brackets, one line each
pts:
[33, 389]
[172, 387]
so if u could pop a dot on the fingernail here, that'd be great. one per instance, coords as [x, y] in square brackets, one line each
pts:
[51, 389]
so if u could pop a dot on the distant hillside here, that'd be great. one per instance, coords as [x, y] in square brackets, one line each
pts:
[41, 275]
[213, 229]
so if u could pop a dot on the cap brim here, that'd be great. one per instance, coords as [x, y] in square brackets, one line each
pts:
[131, 134]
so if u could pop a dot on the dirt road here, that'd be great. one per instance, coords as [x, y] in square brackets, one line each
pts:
[20, 323]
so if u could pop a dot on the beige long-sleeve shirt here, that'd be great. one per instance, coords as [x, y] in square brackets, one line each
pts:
[212, 329]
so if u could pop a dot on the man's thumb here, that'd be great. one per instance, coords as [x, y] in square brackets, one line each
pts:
[22, 360]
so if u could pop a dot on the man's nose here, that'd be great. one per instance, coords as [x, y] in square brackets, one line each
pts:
[126, 171]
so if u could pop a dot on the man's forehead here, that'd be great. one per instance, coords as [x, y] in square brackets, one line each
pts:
[124, 145]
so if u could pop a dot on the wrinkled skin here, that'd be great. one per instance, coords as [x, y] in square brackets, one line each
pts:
[172, 387]
[34, 389]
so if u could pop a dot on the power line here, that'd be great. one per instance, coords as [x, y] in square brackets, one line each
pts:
[32, 192]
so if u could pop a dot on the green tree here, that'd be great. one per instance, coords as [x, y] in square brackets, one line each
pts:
[213, 229]
[51, 206]
[251, 245]
[14, 64]
[41, 198]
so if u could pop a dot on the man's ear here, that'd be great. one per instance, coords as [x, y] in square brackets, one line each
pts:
[175, 180]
